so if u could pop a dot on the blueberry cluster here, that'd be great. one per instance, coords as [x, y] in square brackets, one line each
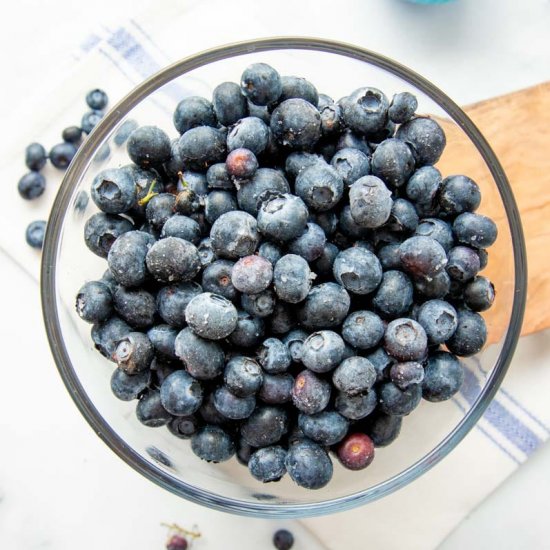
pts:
[33, 183]
[289, 276]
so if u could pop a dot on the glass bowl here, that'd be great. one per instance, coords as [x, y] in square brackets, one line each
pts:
[427, 435]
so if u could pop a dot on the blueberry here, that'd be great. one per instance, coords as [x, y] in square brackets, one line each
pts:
[217, 203]
[259, 305]
[463, 263]
[184, 427]
[320, 186]
[310, 244]
[113, 191]
[270, 252]
[233, 407]
[388, 256]
[146, 181]
[160, 209]
[252, 274]
[393, 162]
[282, 217]
[206, 253]
[363, 329]
[353, 141]
[470, 335]
[195, 181]
[90, 120]
[479, 294]
[31, 185]
[324, 100]
[202, 146]
[149, 410]
[296, 124]
[406, 340]
[351, 164]
[126, 258]
[365, 110]
[294, 341]
[276, 389]
[134, 353]
[324, 263]
[265, 426]
[422, 189]
[356, 451]
[249, 331]
[126, 387]
[172, 260]
[261, 84]
[62, 154]
[211, 316]
[229, 103]
[212, 444]
[370, 202]
[439, 320]
[443, 377]
[35, 233]
[402, 107]
[403, 217]
[355, 375]
[422, 256]
[397, 402]
[163, 338]
[300, 160]
[437, 229]
[381, 362]
[268, 464]
[322, 351]
[243, 376]
[383, 428]
[97, 99]
[209, 413]
[187, 202]
[282, 319]
[292, 278]
[394, 296]
[309, 465]
[425, 137]
[182, 227]
[357, 270]
[35, 157]
[274, 356]
[216, 278]
[259, 111]
[265, 181]
[108, 280]
[332, 120]
[173, 299]
[325, 306]
[327, 221]
[475, 230]
[123, 132]
[326, 428]
[94, 302]
[437, 286]
[218, 177]
[244, 452]
[203, 359]
[248, 133]
[234, 235]
[349, 229]
[458, 194]
[106, 335]
[296, 87]
[406, 374]
[310, 394]
[193, 111]
[135, 305]
[241, 163]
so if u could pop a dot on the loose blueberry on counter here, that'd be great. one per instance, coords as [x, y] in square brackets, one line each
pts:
[265, 426]
[149, 410]
[325, 306]
[35, 157]
[234, 235]
[310, 394]
[229, 103]
[233, 407]
[94, 302]
[177, 542]
[470, 335]
[354, 376]
[31, 185]
[259, 305]
[283, 539]
[97, 99]
[370, 202]
[261, 84]
[356, 451]
[249, 133]
[320, 186]
[322, 351]
[114, 191]
[443, 377]
[203, 359]
[296, 124]
[308, 465]
[193, 111]
[35, 233]
[243, 376]
[90, 120]
[252, 274]
[425, 137]
[439, 319]
[126, 258]
[173, 299]
[282, 217]
[406, 340]
[128, 388]
[213, 444]
[211, 316]
[268, 464]
[249, 332]
[402, 107]
[72, 134]
[396, 402]
[62, 154]
[479, 294]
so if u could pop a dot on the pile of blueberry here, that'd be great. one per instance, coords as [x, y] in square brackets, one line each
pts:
[289, 276]
[33, 183]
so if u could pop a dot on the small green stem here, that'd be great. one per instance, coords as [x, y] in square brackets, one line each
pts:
[144, 200]
[182, 181]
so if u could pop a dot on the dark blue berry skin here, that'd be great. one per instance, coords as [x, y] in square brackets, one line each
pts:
[294, 341]
[326, 428]
[439, 320]
[150, 412]
[114, 191]
[392, 162]
[31, 185]
[282, 217]
[327, 221]
[35, 233]
[128, 387]
[173, 299]
[276, 389]
[296, 124]
[308, 465]
[406, 374]
[470, 335]
[62, 154]
[108, 279]
[243, 376]
[123, 132]
[437, 229]
[325, 306]
[475, 230]
[171, 260]
[90, 120]
[270, 252]
[354, 376]
[406, 340]
[265, 426]
[261, 84]
[234, 235]
[233, 407]
[268, 464]
[370, 202]
[383, 429]
[332, 120]
[211, 316]
[160, 209]
[292, 278]
[422, 189]
[218, 177]
[351, 164]
[97, 99]
[323, 351]
[217, 203]
[126, 258]
[353, 141]
[483, 258]
[320, 186]
[135, 305]
[363, 329]
[294, 87]
[300, 160]
[394, 296]
[443, 377]
[310, 244]
[349, 229]
[216, 278]
[249, 332]
[241, 164]
[402, 107]
[180, 394]
[458, 194]
[463, 263]
[388, 256]
[323, 101]
[356, 407]
[252, 274]
[381, 362]
[251, 194]
[35, 157]
[425, 137]
[203, 359]
[479, 294]
[187, 202]
[106, 335]
[182, 227]
[248, 133]
[324, 263]
[422, 256]
[365, 110]
[259, 305]
[184, 427]
[163, 338]
[396, 402]
[144, 181]
[229, 103]
[202, 146]
[357, 270]
[437, 286]
[193, 111]
[403, 217]
[206, 253]
[213, 444]
[310, 394]
[274, 356]
[209, 413]
[244, 451]
[259, 111]
[94, 302]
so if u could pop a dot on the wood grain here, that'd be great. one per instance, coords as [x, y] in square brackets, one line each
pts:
[517, 126]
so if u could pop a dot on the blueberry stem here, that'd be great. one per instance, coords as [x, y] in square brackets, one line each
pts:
[144, 200]
[182, 180]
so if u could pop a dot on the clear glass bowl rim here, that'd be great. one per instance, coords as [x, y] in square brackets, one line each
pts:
[52, 244]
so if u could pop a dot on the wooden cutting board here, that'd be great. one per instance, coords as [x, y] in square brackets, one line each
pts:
[517, 126]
